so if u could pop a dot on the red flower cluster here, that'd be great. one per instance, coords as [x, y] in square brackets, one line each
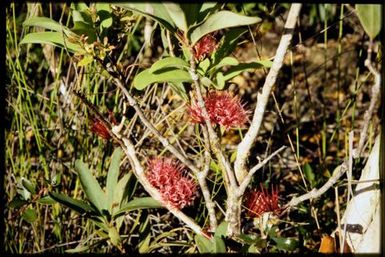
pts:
[223, 109]
[259, 202]
[98, 128]
[167, 176]
[205, 46]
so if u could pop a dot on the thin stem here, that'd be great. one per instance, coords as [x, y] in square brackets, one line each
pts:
[229, 177]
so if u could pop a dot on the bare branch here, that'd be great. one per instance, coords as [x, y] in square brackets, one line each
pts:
[315, 193]
[150, 126]
[376, 88]
[248, 177]
[244, 147]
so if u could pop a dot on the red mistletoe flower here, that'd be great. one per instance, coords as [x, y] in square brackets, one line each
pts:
[223, 109]
[98, 127]
[168, 177]
[205, 46]
[259, 202]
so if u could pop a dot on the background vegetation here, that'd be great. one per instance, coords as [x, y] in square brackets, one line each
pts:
[321, 94]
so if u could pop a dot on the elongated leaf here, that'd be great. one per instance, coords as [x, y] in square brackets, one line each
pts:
[46, 200]
[220, 81]
[29, 215]
[229, 42]
[370, 18]
[16, 202]
[91, 186]
[309, 174]
[206, 8]
[112, 176]
[221, 20]
[191, 12]
[47, 23]
[231, 61]
[53, 38]
[121, 190]
[28, 185]
[78, 249]
[222, 229]
[168, 62]
[76, 205]
[220, 246]
[172, 75]
[235, 70]
[179, 89]
[204, 245]
[155, 11]
[137, 204]
[177, 15]
[104, 12]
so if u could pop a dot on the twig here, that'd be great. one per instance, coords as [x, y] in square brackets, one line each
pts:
[151, 127]
[248, 177]
[374, 97]
[315, 193]
[229, 177]
[244, 147]
[203, 184]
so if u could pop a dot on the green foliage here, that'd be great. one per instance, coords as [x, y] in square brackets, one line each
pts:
[172, 75]
[370, 18]
[52, 38]
[221, 20]
[110, 204]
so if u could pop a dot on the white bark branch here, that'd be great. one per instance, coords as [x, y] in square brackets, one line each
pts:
[244, 147]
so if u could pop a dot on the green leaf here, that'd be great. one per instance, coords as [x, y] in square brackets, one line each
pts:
[28, 185]
[206, 82]
[191, 12]
[76, 205]
[231, 61]
[121, 190]
[155, 11]
[91, 186]
[29, 215]
[83, 28]
[220, 81]
[114, 236]
[46, 200]
[177, 15]
[179, 89]
[287, 244]
[137, 204]
[204, 245]
[220, 246]
[172, 75]
[370, 18]
[236, 70]
[309, 174]
[53, 38]
[16, 203]
[87, 59]
[47, 23]
[78, 249]
[227, 45]
[112, 177]
[221, 20]
[222, 229]
[168, 62]
[104, 12]
[203, 66]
